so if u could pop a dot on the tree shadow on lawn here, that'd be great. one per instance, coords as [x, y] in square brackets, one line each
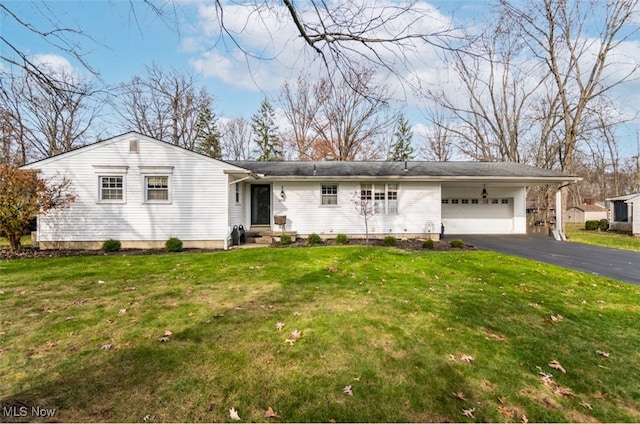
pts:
[191, 377]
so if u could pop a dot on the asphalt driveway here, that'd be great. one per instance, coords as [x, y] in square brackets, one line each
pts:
[621, 265]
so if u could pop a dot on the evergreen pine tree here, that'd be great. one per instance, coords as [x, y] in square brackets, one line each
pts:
[401, 148]
[207, 135]
[269, 146]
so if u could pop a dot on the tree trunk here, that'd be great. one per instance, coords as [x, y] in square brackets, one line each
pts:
[14, 241]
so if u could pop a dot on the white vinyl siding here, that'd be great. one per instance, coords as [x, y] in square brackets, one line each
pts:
[418, 204]
[197, 188]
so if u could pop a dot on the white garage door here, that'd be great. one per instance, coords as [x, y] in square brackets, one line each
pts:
[477, 215]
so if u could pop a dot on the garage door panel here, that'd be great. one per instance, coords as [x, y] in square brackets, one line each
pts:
[478, 216]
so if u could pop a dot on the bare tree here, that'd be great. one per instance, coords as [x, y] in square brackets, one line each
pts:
[352, 115]
[164, 105]
[236, 139]
[437, 145]
[494, 90]
[44, 120]
[300, 107]
[561, 35]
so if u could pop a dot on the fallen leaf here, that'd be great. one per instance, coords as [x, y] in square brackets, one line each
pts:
[601, 396]
[279, 326]
[466, 358]
[122, 311]
[601, 353]
[459, 395]
[452, 357]
[234, 414]
[296, 314]
[147, 418]
[556, 366]
[164, 339]
[129, 288]
[557, 318]
[100, 282]
[347, 390]
[563, 391]
[107, 346]
[524, 419]
[290, 341]
[469, 412]
[295, 334]
[270, 413]
[506, 412]
[586, 405]
[167, 333]
[494, 336]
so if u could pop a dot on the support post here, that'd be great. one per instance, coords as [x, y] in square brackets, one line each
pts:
[559, 232]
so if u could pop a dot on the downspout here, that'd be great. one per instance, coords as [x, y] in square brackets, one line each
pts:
[228, 223]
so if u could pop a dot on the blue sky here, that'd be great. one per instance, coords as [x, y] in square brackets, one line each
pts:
[122, 37]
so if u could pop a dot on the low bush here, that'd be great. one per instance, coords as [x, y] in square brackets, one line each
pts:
[174, 244]
[111, 245]
[428, 244]
[285, 239]
[591, 225]
[456, 244]
[314, 239]
[389, 241]
[603, 225]
[342, 239]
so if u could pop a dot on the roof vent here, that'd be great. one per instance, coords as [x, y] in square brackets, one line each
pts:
[314, 169]
[133, 146]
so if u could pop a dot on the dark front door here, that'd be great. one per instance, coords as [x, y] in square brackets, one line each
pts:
[261, 204]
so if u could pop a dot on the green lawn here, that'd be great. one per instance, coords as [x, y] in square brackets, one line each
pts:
[25, 241]
[418, 336]
[577, 233]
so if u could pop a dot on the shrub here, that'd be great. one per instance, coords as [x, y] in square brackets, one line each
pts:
[314, 239]
[428, 244]
[603, 225]
[342, 239]
[111, 245]
[389, 241]
[456, 244]
[174, 244]
[591, 225]
[285, 239]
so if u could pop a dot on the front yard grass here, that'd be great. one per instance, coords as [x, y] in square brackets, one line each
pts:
[616, 240]
[418, 336]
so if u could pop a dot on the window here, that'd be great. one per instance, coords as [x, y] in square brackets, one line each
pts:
[474, 201]
[620, 211]
[465, 201]
[330, 194]
[384, 197]
[111, 188]
[494, 201]
[445, 201]
[237, 193]
[454, 201]
[156, 188]
[504, 201]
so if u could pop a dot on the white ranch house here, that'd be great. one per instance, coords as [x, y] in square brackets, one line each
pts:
[142, 191]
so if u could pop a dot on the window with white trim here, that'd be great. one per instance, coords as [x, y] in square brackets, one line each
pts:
[329, 194]
[111, 188]
[383, 196]
[156, 188]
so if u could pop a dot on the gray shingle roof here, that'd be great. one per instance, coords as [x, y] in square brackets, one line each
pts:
[415, 169]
